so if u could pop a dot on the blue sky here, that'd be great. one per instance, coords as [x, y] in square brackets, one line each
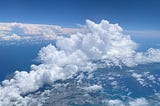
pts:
[130, 14]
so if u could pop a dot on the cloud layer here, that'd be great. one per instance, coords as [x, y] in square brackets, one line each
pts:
[95, 46]
[23, 32]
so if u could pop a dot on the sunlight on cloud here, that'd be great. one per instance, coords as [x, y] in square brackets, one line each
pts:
[22, 32]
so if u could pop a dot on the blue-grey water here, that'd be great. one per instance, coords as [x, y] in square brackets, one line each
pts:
[17, 57]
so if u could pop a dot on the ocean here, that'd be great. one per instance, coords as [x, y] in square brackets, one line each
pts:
[17, 57]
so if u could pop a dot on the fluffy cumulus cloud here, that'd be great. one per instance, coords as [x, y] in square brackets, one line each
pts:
[96, 45]
[93, 88]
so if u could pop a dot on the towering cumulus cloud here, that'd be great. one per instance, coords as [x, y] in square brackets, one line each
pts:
[96, 45]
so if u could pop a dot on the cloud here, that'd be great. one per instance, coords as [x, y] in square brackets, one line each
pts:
[11, 37]
[134, 102]
[94, 46]
[139, 102]
[150, 56]
[115, 103]
[139, 78]
[93, 88]
[21, 32]
[143, 33]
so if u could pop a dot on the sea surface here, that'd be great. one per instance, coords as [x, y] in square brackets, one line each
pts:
[17, 57]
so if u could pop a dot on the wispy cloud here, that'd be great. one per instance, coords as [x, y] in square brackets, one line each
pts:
[143, 33]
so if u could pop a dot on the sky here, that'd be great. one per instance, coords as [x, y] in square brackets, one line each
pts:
[130, 14]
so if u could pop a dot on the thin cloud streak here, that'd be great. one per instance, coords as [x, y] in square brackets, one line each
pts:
[148, 33]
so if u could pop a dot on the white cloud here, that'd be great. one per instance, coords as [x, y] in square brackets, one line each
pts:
[139, 78]
[131, 102]
[11, 37]
[104, 43]
[114, 83]
[146, 79]
[139, 102]
[151, 55]
[93, 88]
[32, 31]
[115, 103]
